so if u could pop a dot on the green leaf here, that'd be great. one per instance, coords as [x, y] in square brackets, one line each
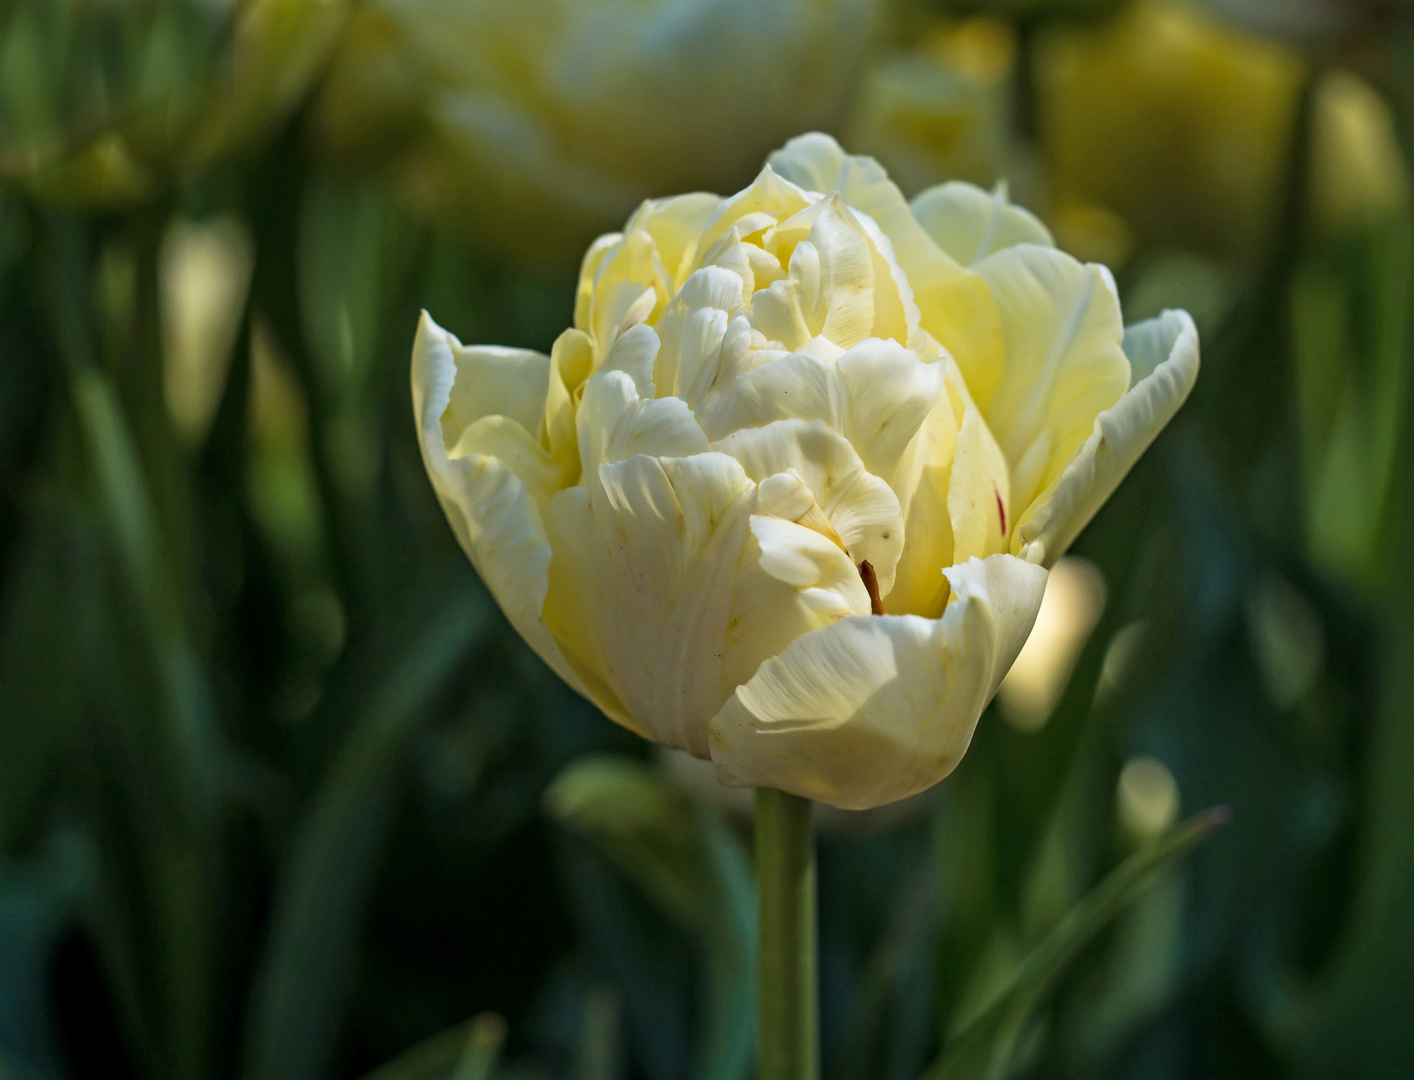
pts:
[328, 873]
[984, 1048]
[692, 867]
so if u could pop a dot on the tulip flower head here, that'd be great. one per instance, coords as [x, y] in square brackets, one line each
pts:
[786, 493]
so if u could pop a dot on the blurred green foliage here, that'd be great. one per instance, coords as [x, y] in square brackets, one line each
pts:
[282, 796]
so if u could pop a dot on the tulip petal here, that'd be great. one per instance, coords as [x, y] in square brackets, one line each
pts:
[1064, 361]
[571, 360]
[510, 444]
[675, 223]
[872, 709]
[769, 192]
[922, 482]
[970, 224]
[692, 329]
[861, 508]
[978, 492]
[954, 303]
[818, 163]
[492, 380]
[875, 395]
[492, 513]
[619, 418]
[1163, 353]
[791, 580]
[640, 583]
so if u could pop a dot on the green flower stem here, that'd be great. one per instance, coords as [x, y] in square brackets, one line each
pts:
[786, 978]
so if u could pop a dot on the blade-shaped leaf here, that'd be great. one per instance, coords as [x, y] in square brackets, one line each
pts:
[985, 1046]
[301, 979]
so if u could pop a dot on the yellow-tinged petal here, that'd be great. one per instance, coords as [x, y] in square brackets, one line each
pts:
[954, 304]
[571, 360]
[1163, 355]
[492, 513]
[979, 492]
[630, 286]
[922, 483]
[675, 223]
[1064, 361]
[640, 587]
[872, 709]
[770, 193]
[589, 274]
[505, 440]
[970, 224]
[692, 329]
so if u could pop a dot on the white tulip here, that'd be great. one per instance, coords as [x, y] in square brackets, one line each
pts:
[785, 494]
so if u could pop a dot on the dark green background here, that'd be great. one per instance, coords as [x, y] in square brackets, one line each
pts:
[273, 796]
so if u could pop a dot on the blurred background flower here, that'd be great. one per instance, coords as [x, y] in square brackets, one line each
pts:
[282, 796]
[538, 126]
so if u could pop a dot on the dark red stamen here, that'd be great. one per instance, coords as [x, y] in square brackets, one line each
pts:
[871, 586]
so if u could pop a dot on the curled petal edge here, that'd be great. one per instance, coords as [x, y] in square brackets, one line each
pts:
[1121, 435]
[492, 513]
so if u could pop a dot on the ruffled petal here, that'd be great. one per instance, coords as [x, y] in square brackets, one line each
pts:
[619, 418]
[1163, 353]
[875, 395]
[640, 585]
[692, 329]
[922, 482]
[872, 709]
[491, 511]
[861, 509]
[953, 303]
[571, 360]
[675, 223]
[768, 199]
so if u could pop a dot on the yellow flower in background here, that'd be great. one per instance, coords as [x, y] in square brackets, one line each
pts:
[538, 124]
[102, 103]
[1358, 175]
[785, 494]
[941, 108]
[1165, 124]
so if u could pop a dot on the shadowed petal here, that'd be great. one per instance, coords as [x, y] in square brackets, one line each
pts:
[491, 511]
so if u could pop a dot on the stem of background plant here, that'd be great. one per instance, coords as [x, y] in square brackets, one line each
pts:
[786, 976]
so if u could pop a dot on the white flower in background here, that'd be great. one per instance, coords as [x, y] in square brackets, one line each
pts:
[538, 123]
[785, 494]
